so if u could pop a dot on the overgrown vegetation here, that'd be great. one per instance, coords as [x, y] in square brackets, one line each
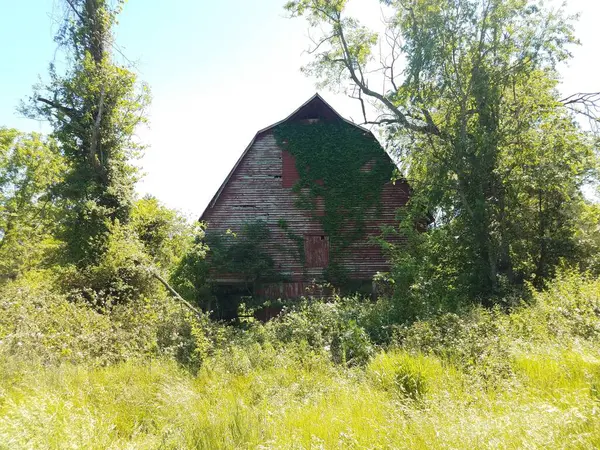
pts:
[314, 377]
[345, 168]
[94, 108]
[469, 104]
[486, 330]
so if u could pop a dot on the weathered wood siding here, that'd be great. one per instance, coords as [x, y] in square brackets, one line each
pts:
[255, 191]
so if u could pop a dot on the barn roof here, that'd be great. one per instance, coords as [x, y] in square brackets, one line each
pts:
[315, 106]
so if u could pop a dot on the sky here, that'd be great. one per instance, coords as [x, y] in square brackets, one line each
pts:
[219, 71]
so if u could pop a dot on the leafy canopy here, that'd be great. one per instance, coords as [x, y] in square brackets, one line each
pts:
[469, 104]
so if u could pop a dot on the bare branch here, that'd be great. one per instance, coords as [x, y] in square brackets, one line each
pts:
[402, 119]
[68, 111]
[582, 98]
[380, 122]
[173, 292]
[319, 43]
[586, 104]
[74, 9]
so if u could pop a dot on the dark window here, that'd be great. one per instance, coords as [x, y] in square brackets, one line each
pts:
[289, 172]
[316, 250]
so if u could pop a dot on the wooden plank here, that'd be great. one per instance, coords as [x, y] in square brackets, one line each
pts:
[256, 190]
[316, 251]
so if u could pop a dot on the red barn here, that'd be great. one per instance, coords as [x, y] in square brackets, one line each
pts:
[320, 186]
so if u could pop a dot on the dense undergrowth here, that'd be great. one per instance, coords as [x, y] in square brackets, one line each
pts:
[324, 375]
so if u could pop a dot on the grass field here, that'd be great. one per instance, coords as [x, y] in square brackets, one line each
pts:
[398, 401]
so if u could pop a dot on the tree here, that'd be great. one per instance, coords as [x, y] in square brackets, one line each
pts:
[191, 275]
[30, 167]
[468, 97]
[94, 109]
[165, 234]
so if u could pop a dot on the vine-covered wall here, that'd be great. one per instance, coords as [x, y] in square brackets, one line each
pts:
[345, 167]
[342, 191]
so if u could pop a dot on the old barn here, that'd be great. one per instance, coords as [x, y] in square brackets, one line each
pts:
[309, 193]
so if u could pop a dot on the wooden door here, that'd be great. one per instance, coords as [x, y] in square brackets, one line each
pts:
[316, 251]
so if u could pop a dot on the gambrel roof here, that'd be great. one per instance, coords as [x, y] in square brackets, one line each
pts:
[315, 106]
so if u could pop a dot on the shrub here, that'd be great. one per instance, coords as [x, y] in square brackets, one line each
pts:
[403, 374]
[330, 326]
[119, 276]
[165, 234]
[40, 324]
[476, 341]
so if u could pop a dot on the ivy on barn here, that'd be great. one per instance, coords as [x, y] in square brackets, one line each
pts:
[243, 253]
[345, 167]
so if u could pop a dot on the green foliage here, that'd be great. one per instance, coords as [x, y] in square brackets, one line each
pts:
[165, 234]
[569, 307]
[244, 253]
[588, 237]
[252, 390]
[119, 275]
[190, 276]
[476, 342]
[334, 327]
[240, 253]
[30, 167]
[94, 354]
[475, 118]
[404, 374]
[156, 239]
[44, 326]
[332, 160]
[94, 109]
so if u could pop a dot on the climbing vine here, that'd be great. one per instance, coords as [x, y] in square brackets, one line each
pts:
[243, 253]
[342, 166]
[296, 238]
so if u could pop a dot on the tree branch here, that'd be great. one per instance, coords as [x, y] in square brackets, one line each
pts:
[174, 293]
[582, 97]
[77, 13]
[360, 82]
[68, 111]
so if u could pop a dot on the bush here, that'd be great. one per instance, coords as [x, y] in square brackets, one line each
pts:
[119, 276]
[40, 324]
[477, 342]
[330, 326]
[528, 377]
[403, 374]
[570, 306]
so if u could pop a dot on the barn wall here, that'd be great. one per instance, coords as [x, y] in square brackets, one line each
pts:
[255, 191]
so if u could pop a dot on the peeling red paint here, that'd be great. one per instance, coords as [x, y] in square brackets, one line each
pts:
[289, 170]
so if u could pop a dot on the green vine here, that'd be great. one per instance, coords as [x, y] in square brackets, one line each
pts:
[243, 253]
[345, 167]
[296, 238]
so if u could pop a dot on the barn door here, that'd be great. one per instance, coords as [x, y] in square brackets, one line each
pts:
[316, 251]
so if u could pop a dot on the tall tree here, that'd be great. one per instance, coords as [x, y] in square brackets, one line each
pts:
[94, 108]
[467, 100]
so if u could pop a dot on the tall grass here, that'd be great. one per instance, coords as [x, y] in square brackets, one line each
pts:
[484, 379]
